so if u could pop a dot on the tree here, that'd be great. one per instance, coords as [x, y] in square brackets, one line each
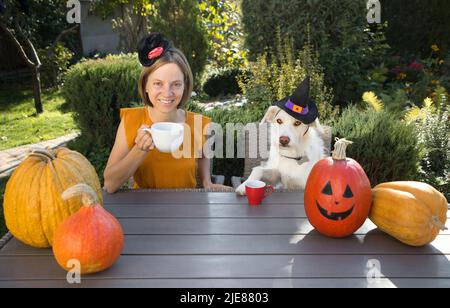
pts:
[13, 31]
[222, 21]
[31, 26]
[179, 21]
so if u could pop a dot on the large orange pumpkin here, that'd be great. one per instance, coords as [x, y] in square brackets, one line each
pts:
[337, 194]
[33, 205]
[92, 236]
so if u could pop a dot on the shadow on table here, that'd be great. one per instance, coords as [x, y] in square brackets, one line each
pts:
[366, 261]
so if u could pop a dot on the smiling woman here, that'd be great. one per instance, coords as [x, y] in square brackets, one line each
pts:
[165, 85]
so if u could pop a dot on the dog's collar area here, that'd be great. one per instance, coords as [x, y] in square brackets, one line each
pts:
[295, 158]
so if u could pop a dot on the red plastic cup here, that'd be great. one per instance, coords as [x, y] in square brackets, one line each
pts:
[256, 191]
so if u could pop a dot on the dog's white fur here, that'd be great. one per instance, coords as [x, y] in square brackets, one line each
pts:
[305, 141]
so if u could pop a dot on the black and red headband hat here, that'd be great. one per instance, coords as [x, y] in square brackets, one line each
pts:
[152, 47]
[299, 105]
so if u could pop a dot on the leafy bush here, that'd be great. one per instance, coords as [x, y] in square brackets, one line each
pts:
[386, 148]
[222, 81]
[277, 74]
[433, 126]
[434, 135]
[96, 90]
[416, 25]
[222, 21]
[179, 21]
[229, 166]
[55, 62]
[348, 49]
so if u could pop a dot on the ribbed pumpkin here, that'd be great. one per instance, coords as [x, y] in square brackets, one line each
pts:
[33, 206]
[91, 236]
[412, 212]
[337, 194]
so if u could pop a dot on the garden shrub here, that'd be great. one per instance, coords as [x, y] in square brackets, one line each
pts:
[96, 90]
[433, 126]
[386, 148]
[55, 62]
[222, 81]
[416, 25]
[278, 73]
[179, 20]
[348, 47]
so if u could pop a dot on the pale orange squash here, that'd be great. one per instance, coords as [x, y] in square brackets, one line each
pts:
[92, 236]
[33, 206]
[412, 212]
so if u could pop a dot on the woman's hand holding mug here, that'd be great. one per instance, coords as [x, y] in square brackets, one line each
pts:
[144, 140]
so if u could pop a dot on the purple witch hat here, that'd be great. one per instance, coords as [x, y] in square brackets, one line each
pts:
[299, 105]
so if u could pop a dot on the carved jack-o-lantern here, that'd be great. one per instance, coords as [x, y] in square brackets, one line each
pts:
[337, 194]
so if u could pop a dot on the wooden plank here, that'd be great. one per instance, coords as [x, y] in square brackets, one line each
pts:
[232, 283]
[168, 197]
[313, 243]
[218, 210]
[232, 266]
[243, 226]
[207, 211]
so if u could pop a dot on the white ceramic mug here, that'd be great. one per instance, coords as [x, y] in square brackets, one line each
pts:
[167, 136]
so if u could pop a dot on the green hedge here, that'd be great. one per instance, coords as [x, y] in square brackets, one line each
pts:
[334, 28]
[386, 148]
[222, 81]
[415, 25]
[96, 90]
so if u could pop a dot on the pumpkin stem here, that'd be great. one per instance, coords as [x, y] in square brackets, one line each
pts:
[88, 195]
[435, 221]
[43, 153]
[339, 148]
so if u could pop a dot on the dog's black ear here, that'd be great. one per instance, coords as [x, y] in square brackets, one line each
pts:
[270, 114]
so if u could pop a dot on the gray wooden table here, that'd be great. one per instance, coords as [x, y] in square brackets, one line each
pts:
[200, 239]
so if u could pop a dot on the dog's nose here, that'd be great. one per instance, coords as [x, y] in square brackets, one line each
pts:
[284, 141]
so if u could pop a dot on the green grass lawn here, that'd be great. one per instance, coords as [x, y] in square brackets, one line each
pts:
[19, 123]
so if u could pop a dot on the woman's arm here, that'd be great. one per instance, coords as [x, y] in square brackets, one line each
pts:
[122, 162]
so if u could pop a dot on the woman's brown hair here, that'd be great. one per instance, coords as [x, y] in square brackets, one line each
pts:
[172, 55]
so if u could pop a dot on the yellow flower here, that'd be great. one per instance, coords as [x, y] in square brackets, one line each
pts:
[428, 102]
[408, 89]
[401, 76]
[441, 62]
[371, 99]
[414, 114]
[435, 48]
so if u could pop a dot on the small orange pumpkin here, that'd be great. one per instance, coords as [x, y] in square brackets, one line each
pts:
[92, 236]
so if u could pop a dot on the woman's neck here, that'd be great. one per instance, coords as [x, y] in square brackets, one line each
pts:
[156, 116]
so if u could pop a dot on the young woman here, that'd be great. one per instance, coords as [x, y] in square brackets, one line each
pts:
[165, 85]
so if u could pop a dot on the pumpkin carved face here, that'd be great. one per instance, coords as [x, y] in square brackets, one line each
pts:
[337, 196]
[339, 210]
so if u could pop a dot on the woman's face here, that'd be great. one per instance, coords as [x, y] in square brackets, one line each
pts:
[165, 87]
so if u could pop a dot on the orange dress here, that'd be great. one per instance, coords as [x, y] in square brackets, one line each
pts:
[163, 170]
